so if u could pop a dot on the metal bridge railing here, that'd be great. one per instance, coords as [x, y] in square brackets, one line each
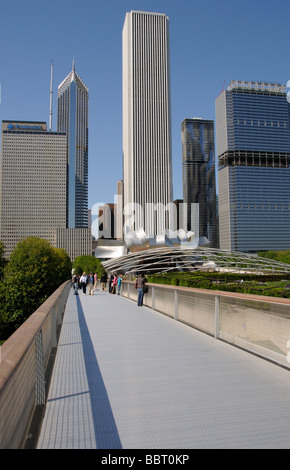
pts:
[24, 363]
[256, 323]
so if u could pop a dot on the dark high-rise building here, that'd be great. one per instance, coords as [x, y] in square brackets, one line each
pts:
[253, 148]
[72, 119]
[198, 167]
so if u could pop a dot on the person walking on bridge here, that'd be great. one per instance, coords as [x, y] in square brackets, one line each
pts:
[119, 282]
[75, 283]
[95, 282]
[83, 281]
[104, 279]
[141, 280]
[91, 284]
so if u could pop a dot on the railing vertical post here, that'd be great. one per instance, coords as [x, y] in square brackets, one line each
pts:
[53, 328]
[175, 305]
[217, 317]
[39, 371]
[153, 298]
[128, 290]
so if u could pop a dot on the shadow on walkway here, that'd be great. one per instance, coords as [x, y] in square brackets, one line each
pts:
[106, 433]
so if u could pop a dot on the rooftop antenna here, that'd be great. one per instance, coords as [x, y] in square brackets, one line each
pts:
[50, 107]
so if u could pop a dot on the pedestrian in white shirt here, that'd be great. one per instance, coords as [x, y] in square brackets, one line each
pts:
[83, 281]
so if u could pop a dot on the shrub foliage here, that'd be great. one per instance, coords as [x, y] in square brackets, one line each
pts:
[34, 271]
[271, 285]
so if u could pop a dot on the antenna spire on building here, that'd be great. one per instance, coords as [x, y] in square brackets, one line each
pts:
[51, 92]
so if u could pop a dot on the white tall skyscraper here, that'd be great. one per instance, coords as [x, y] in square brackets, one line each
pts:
[147, 153]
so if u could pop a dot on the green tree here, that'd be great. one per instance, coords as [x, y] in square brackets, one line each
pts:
[34, 271]
[63, 264]
[78, 269]
[3, 261]
[88, 264]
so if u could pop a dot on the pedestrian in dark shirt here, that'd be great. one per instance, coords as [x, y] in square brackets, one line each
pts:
[140, 289]
[104, 279]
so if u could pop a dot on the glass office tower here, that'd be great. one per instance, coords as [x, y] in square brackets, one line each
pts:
[198, 168]
[253, 147]
[147, 152]
[72, 118]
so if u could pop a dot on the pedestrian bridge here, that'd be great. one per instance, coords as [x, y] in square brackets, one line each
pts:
[129, 377]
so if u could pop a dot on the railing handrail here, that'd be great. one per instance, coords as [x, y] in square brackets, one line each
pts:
[222, 293]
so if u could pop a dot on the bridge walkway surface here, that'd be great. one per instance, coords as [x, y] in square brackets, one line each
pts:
[128, 377]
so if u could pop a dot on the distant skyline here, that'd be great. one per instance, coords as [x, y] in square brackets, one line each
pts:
[211, 43]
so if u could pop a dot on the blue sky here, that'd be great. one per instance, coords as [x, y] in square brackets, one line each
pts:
[211, 43]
